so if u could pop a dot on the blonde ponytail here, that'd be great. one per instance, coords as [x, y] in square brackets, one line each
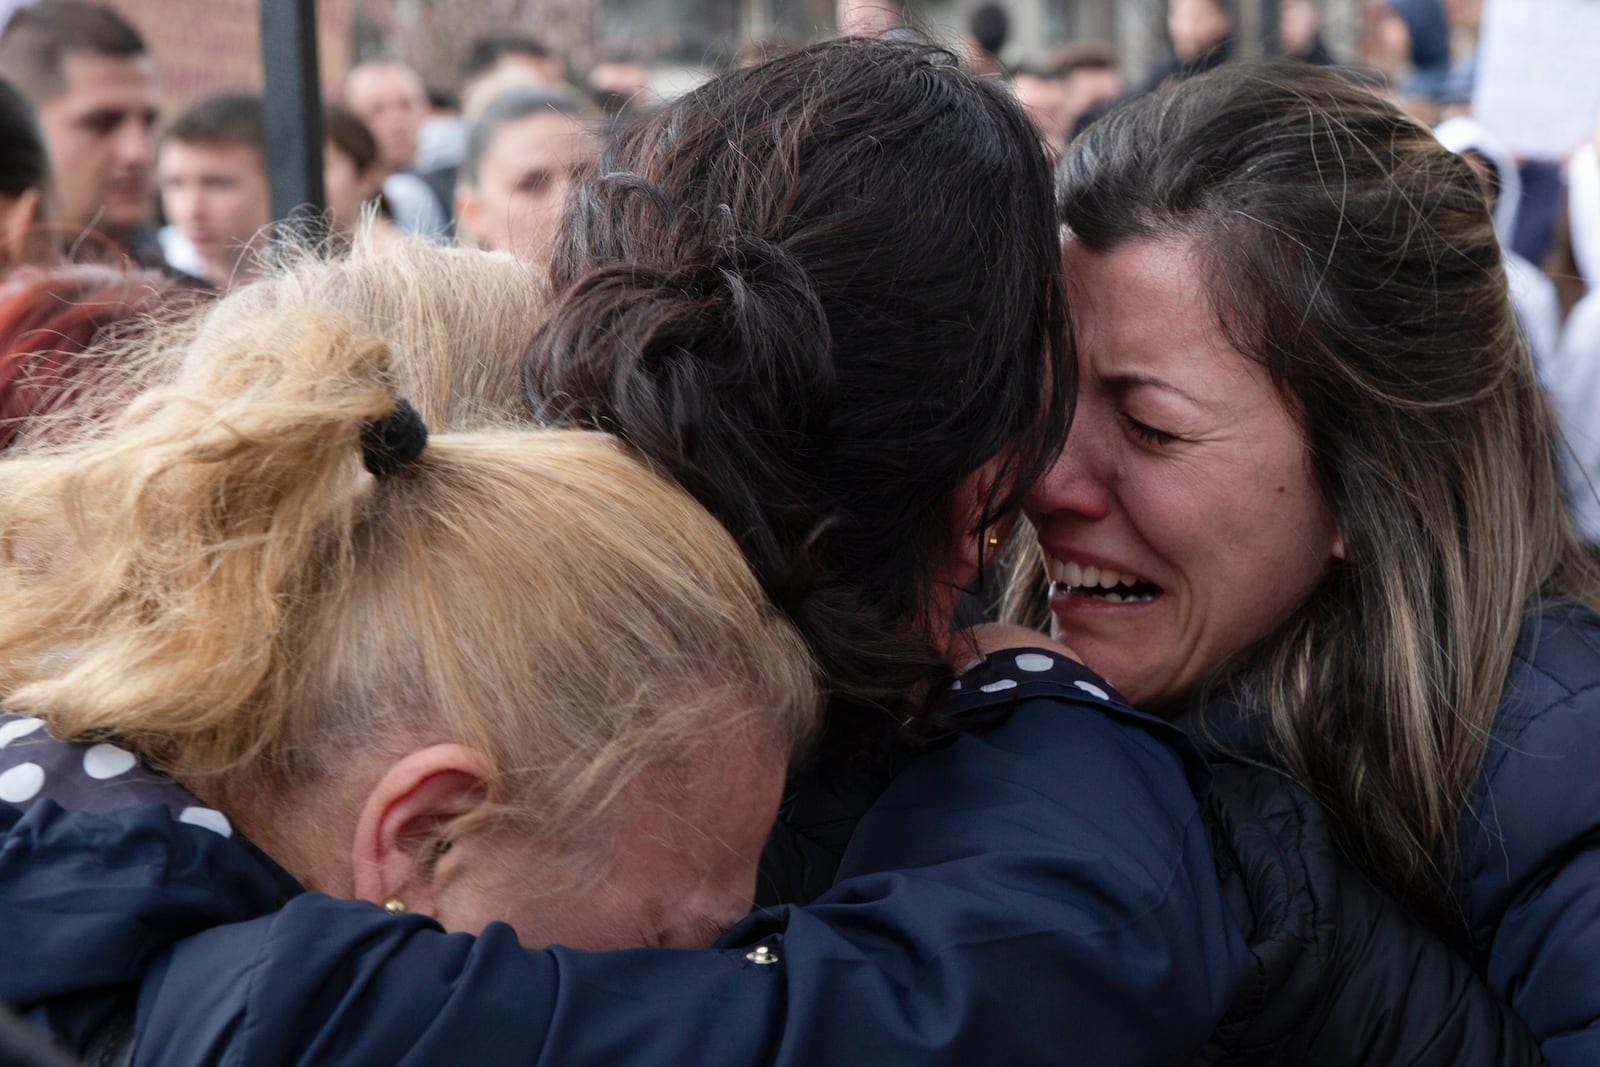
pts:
[167, 560]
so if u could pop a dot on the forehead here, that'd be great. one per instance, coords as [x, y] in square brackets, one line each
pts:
[91, 82]
[375, 86]
[1138, 284]
[221, 159]
[542, 136]
[1146, 307]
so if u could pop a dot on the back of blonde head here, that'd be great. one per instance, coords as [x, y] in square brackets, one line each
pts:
[456, 319]
[217, 582]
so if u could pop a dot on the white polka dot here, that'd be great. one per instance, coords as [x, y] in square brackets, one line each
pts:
[995, 687]
[1035, 662]
[210, 818]
[1093, 690]
[18, 728]
[107, 761]
[21, 782]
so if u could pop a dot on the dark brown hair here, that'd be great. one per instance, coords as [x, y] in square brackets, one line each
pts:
[228, 118]
[821, 292]
[26, 165]
[39, 37]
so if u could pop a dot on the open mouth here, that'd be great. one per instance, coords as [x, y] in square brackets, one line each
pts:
[1068, 578]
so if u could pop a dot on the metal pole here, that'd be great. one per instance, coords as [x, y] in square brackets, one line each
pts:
[293, 114]
[1256, 28]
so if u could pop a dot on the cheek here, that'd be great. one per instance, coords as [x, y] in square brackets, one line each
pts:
[1284, 550]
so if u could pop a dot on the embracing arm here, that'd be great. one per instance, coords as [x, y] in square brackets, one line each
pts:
[1037, 892]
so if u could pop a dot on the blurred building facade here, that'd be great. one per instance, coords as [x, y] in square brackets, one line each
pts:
[204, 46]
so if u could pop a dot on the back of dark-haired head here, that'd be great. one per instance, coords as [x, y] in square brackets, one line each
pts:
[510, 106]
[989, 25]
[222, 119]
[486, 51]
[346, 132]
[822, 292]
[38, 38]
[1353, 257]
[26, 164]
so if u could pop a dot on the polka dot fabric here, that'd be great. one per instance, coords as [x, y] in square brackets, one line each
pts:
[93, 778]
[1023, 674]
[992, 687]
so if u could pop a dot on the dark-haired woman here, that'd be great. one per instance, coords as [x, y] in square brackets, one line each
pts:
[857, 365]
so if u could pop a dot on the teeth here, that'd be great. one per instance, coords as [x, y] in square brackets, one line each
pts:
[1080, 576]
[1112, 598]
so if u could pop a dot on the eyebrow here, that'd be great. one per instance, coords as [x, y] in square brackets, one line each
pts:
[1129, 380]
[101, 114]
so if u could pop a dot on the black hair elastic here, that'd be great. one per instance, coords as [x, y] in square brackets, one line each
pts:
[389, 443]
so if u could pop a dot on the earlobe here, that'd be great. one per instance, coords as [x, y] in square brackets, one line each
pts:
[977, 545]
[406, 817]
[1338, 545]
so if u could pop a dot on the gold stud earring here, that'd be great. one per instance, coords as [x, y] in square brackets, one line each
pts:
[394, 906]
[993, 541]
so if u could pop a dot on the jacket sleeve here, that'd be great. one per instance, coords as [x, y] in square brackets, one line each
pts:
[1333, 954]
[1037, 892]
[1532, 852]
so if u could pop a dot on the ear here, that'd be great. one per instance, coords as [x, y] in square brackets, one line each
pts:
[17, 221]
[1338, 544]
[976, 545]
[395, 852]
[971, 546]
[466, 204]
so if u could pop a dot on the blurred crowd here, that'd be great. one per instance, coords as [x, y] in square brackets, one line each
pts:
[488, 161]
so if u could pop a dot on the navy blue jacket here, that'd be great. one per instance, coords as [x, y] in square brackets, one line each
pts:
[1529, 881]
[1039, 891]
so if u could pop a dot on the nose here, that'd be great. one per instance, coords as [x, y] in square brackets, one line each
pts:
[135, 143]
[1079, 482]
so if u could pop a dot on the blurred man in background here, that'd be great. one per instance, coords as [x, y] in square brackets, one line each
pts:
[392, 99]
[87, 72]
[214, 190]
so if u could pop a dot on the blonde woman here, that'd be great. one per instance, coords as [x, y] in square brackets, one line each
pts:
[432, 681]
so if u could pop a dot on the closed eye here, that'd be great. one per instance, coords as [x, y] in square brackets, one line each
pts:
[1149, 434]
[533, 181]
